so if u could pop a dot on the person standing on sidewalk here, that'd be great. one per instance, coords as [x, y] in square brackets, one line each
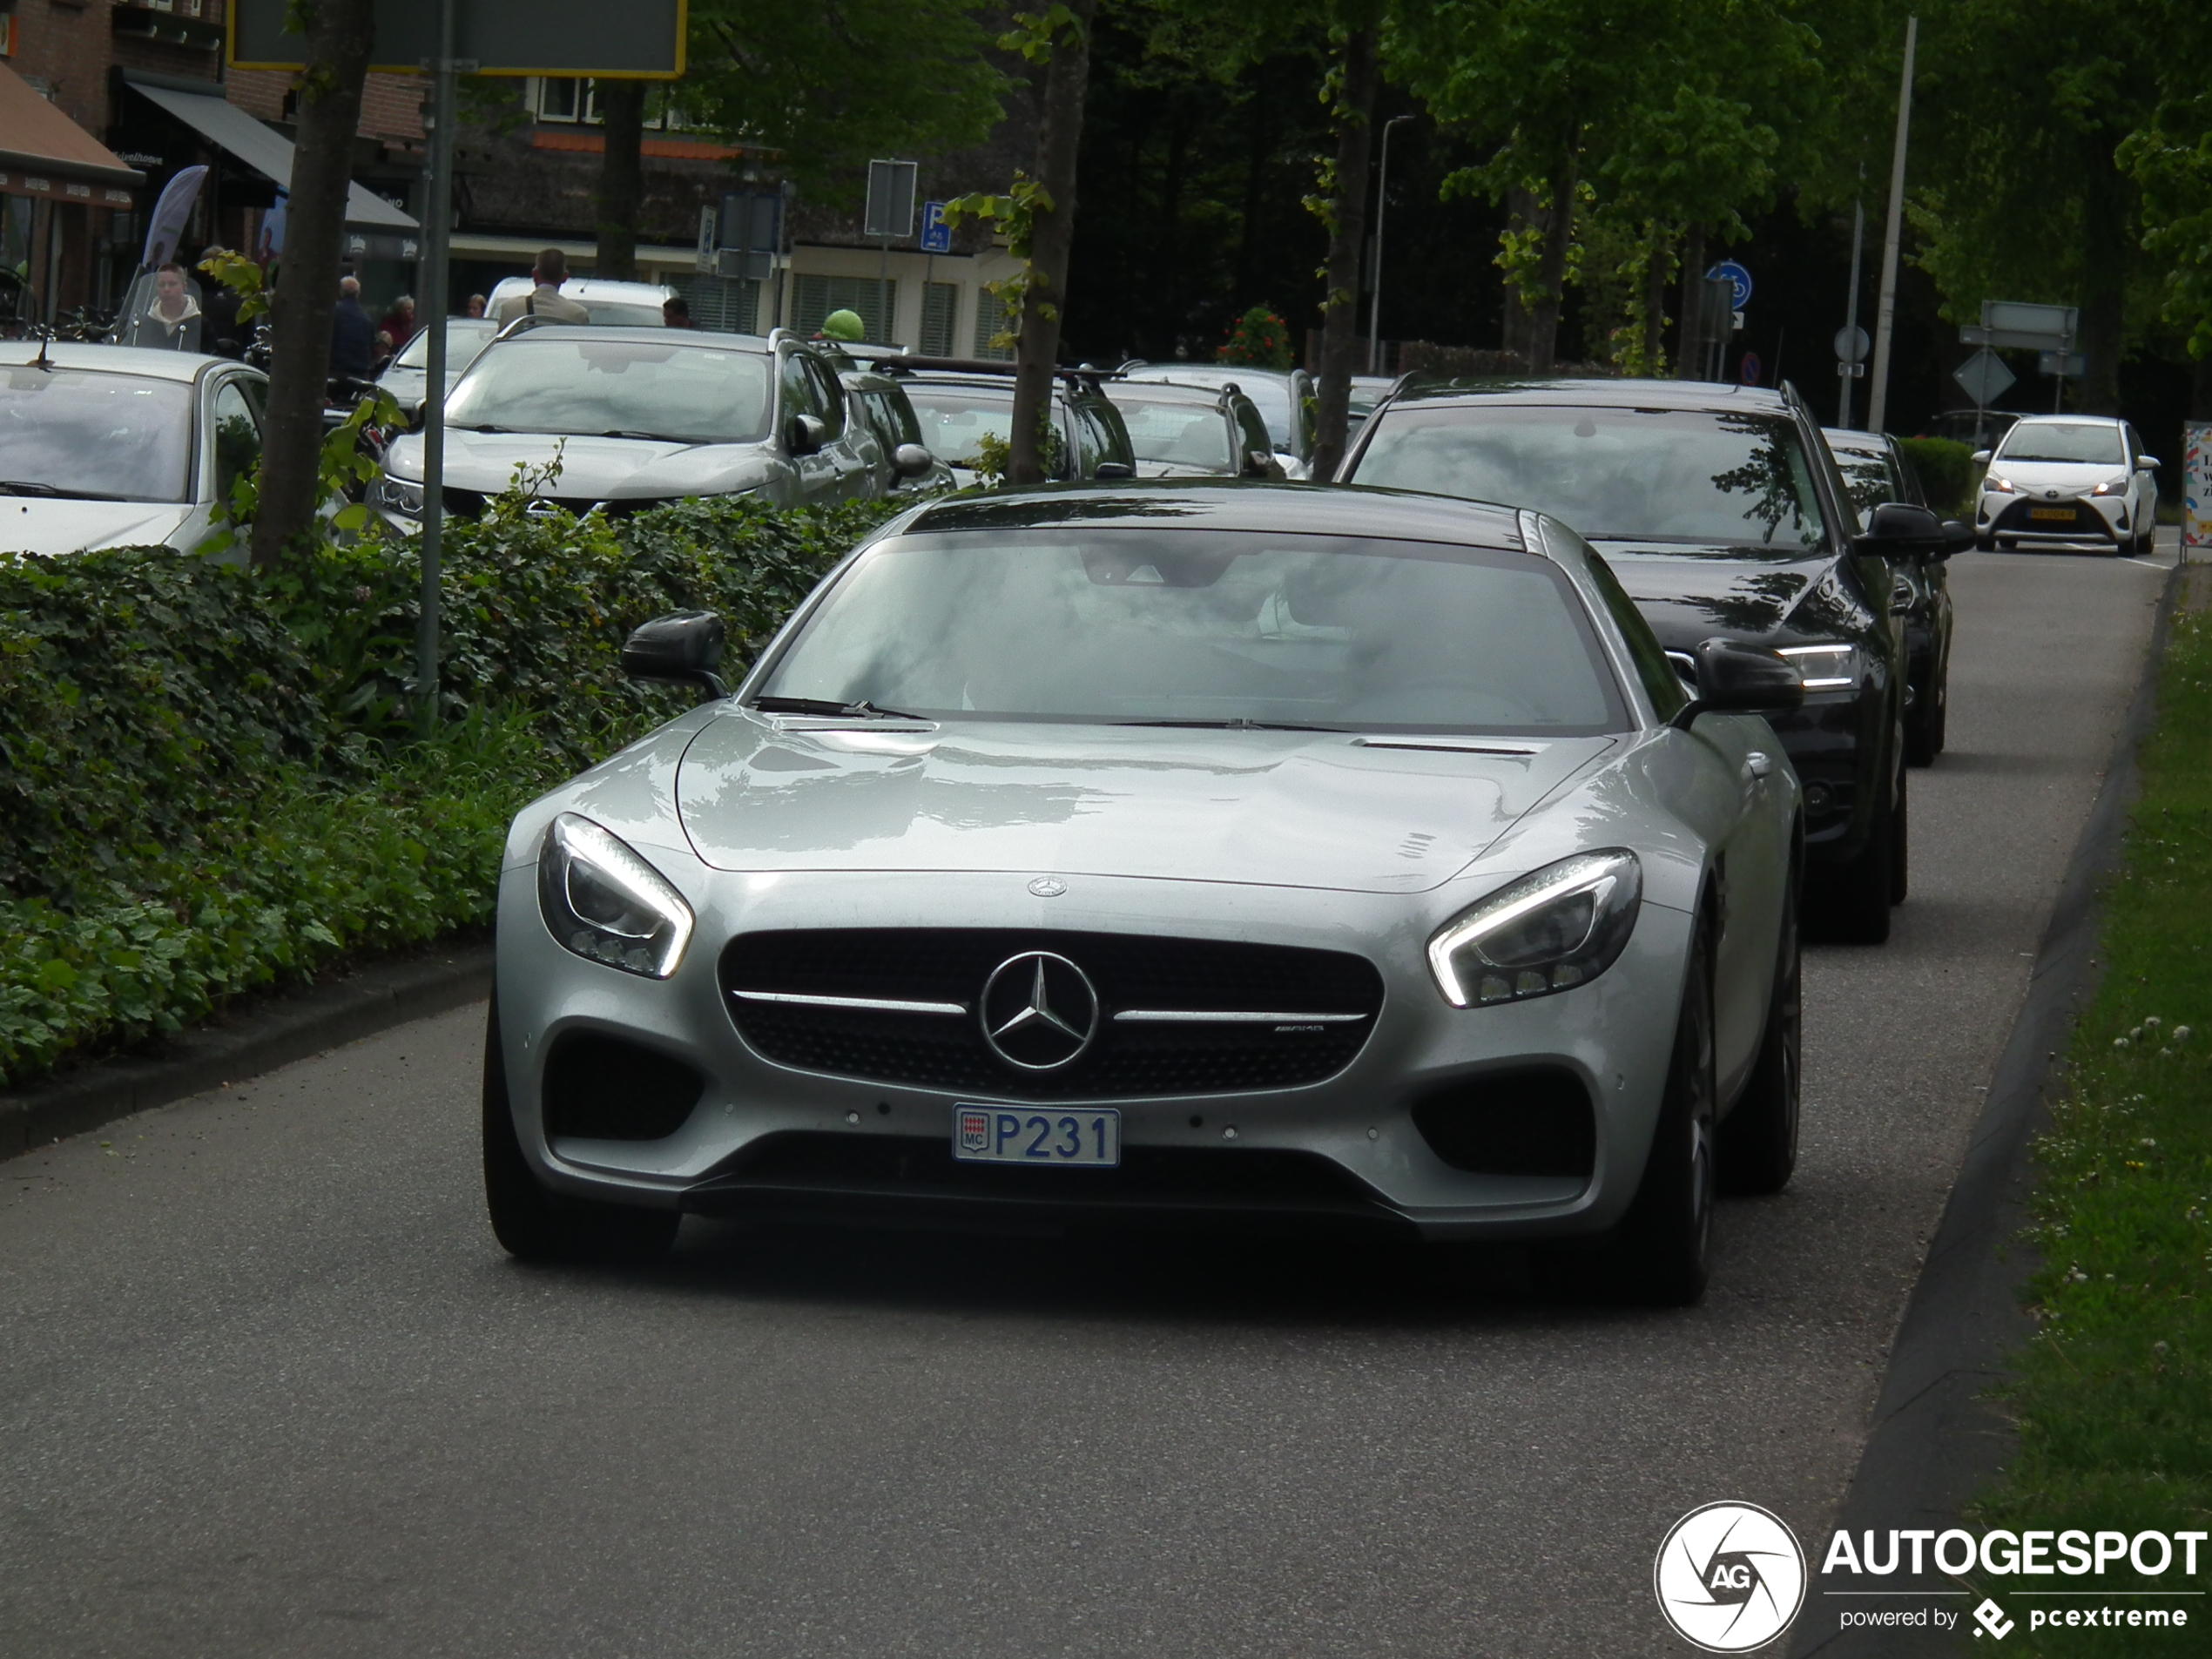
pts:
[545, 300]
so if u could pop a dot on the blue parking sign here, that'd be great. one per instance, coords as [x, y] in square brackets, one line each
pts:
[936, 235]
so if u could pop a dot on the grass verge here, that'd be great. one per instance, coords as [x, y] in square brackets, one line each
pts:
[2114, 1393]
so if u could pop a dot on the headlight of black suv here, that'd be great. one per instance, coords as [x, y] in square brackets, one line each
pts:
[401, 496]
[607, 904]
[1554, 929]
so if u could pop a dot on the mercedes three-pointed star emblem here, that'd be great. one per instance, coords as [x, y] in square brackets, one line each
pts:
[1039, 1012]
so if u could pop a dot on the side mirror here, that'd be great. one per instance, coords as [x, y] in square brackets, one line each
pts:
[1898, 527]
[1735, 678]
[684, 647]
[418, 416]
[911, 461]
[804, 434]
[1980, 457]
[1259, 464]
[1110, 470]
[1958, 537]
[2147, 463]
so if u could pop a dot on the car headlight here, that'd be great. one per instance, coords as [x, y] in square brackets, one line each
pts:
[1554, 929]
[606, 904]
[2002, 486]
[401, 496]
[2112, 486]
[1823, 668]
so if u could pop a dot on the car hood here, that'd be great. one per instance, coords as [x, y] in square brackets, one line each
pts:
[592, 469]
[1690, 594]
[2065, 477]
[1282, 809]
[30, 525]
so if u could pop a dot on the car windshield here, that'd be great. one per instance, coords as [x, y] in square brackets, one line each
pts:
[2085, 442]
[1176, 432]
[613, 314]
[1146, 626]
[1723, 477]
[649, 388]
[95, 436]
[956, 419]
[465, 338]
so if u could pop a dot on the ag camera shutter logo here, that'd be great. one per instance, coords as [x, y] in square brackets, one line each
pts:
[1730, 1577]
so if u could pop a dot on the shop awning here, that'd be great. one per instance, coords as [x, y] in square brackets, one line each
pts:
[43, 152]
[269, 152]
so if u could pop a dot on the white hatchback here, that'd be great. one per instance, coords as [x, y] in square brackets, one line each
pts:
[2058, 480]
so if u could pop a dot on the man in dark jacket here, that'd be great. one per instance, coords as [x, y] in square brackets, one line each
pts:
[353, 332]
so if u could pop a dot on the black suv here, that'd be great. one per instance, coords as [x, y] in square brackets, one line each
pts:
[960, 402]
[1722, 512]
[1877, 470]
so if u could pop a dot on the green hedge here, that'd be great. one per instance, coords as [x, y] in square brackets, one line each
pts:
[1947, 472]
[205, 783]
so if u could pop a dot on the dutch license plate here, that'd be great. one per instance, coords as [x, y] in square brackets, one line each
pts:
[2064, 513]
[1086, 1136]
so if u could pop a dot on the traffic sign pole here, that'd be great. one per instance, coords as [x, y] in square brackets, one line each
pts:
[1885, 311]
[438, 220]
[1851, 303]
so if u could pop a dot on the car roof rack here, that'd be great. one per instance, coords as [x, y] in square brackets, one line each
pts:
[905, 363]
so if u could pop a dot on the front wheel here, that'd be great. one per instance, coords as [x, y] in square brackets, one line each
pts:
[537, 1225]
[1661, 1254]
[1900, 841]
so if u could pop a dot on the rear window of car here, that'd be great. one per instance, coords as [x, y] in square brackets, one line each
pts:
[2082, 442]
[956, 419]
[1716, 477]
[642, 389]
[1178, 434]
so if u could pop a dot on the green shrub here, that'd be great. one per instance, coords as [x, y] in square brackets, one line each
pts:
[1947, 472]
[206, 778]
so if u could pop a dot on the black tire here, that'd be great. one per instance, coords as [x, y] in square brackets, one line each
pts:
[1759, 1140]
[537, 1225]
[1985, 543]
[1849, 904]
[2007, 544]
[1924, 726]
[1661, 1254]
[1901, 840]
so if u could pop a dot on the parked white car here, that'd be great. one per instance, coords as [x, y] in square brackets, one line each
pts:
[114, 446]
[2068, 479]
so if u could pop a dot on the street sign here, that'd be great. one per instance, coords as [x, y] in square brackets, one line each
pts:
[751, 234]
[1749, 369]
[2053, 322]
[710, 225]
[1856, 371]
[1851, 345]
[2070, 365]
[1736, 277]
[1984, 377]
[936, 235]
[891, 200]
[2196, 487]
[639, 39]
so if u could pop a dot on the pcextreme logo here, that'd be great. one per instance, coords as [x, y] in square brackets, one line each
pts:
[1730, 1577]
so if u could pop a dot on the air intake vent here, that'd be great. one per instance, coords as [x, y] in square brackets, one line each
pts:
[600, 1088]
[1532, 1121]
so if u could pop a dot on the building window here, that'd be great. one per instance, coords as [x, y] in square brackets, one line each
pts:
[562, 98]
[724, 305]
[992, 317]
[814, 297]
[940, 318]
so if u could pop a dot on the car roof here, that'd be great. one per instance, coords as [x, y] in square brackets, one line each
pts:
[2068, 419]
[1217, 504]
[919, 377]
[1205, 374]
[1170, 392]
[633, 336]
[146, 361]
[1602, 394]
[590, 288]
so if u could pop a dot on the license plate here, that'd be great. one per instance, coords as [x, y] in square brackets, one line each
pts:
[2064, 513]
[1089, 1136]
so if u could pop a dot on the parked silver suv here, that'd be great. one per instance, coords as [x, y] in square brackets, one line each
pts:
[618, 419]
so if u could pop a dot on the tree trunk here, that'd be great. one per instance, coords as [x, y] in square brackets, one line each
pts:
[1052, 235]
[1654, 303]
[340, 34]
[1690, 357]
[1551, 269]
[1524, 212]
[622, 179]
[1355, 126]
[2104, 299]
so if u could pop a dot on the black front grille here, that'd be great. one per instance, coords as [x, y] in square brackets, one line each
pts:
[1129, 972]
[2021, 515]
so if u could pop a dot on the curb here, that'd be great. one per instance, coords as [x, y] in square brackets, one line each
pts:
[286, 1029]
[1935, 1440]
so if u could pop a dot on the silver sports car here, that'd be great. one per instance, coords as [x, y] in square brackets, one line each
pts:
[1256, 853]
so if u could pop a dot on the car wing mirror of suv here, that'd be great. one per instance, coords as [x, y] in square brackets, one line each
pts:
[1957, 537]
[2147, 463]
[1736, 678]
[911, 461]
[684, 647]
[1980, 457]
[1899, 528]
[1109, 471]
[804, 434]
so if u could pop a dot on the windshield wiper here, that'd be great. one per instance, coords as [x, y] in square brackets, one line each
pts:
[49, 492]
[1238, 723]
[649, 437]
[863, 709]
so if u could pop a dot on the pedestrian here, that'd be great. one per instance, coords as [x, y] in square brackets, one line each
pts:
[171, 320]
[353, 332]
[545, 298]
[475, 308]
[398, 321]
[676, 312]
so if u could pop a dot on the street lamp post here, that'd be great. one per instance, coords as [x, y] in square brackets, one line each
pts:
[1374, 301]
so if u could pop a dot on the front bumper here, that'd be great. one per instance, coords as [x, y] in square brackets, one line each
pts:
[770, 1140]
[2070, 520]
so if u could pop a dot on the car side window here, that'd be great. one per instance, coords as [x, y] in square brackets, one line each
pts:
[829, 399]
[237, 438]
[797, 391]
[1662, 683]
[1114, 442]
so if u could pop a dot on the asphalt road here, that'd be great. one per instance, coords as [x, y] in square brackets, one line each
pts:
[267, 1386]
